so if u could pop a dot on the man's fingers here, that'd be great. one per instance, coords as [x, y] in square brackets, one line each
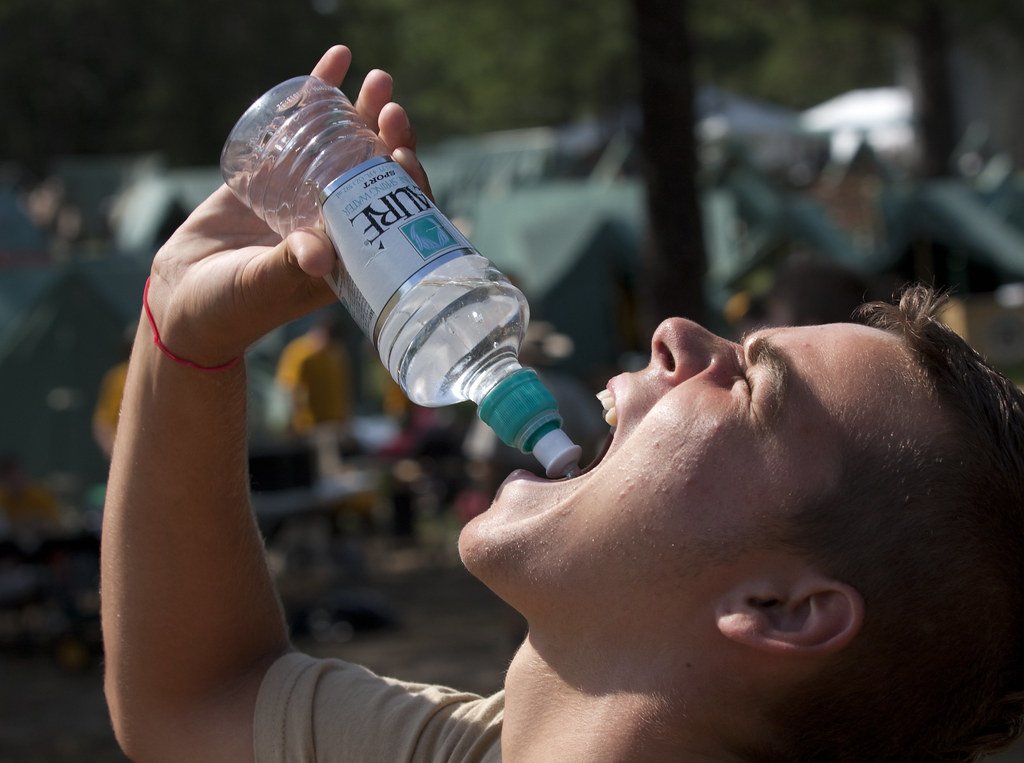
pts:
[312, 250]
[395, 128]
[397, 133]
[411, 164]
[333, 65]
[374, 105]
[373, 96]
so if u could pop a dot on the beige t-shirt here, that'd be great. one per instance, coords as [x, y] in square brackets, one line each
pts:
[329, 710]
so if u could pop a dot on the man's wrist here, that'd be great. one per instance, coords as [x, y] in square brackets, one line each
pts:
[168, 352]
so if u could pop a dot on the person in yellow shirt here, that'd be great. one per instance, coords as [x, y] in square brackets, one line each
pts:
[24, 504]
[315, 372]
[108, 402]
[108, 407]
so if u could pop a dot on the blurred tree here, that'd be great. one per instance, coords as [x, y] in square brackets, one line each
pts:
[787, 51]
[674, 258]
[801, 52]
[929, 31]
[471, 67]
[118, 76]
[925, 26]
[172, 77]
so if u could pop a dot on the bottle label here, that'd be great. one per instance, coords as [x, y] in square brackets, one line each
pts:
[385, 231]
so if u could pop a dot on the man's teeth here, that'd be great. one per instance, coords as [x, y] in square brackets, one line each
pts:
[608, 403]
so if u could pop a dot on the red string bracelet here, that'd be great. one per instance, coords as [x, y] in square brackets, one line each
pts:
[167, 351]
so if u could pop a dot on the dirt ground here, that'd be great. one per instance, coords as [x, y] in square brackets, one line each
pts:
[447, 628]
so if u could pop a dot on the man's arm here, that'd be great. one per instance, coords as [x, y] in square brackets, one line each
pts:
[190, 617]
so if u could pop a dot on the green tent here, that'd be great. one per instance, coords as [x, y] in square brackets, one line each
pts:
[63, 328]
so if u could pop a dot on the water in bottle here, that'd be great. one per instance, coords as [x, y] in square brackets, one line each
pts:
[446, 323]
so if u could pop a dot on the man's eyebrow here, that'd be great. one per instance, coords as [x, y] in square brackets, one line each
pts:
[762, 351]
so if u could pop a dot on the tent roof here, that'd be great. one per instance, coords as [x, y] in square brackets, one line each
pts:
[19, 289]
[66, 330]
[881, 116]
[860, 110]
[720, 111]
[536, 235]
[17, 233]
[148, 205]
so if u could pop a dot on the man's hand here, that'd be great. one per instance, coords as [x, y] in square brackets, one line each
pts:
[224, 279]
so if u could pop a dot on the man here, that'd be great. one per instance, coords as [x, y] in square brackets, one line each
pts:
[804, 547]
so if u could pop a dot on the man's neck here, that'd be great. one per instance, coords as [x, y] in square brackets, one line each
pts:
[562, 706]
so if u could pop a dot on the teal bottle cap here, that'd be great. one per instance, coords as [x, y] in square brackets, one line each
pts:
[523, 413]
[517, 407]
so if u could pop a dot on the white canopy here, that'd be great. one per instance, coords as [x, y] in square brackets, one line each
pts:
[881, 116]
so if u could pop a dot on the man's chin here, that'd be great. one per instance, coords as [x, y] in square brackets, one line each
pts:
[480, 555]
[495, 542]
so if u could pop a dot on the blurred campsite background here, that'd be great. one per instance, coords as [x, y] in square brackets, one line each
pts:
[739, 163]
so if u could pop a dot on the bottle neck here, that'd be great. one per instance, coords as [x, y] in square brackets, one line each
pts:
[520, 410]
[490, 372]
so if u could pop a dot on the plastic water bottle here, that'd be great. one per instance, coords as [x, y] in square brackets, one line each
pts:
[446, 323]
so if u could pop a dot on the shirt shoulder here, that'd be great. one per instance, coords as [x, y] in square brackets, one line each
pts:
[314, 709]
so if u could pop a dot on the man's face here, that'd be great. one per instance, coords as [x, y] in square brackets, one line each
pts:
[716, 443]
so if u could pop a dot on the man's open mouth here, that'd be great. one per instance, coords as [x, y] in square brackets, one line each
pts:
[611, 417]
[601, 453]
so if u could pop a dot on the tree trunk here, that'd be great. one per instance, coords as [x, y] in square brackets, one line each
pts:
[933, 94]
[674, 259]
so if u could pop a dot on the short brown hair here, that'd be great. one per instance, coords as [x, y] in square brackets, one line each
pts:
[931, 532]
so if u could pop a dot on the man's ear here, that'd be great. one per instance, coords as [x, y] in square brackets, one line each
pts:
[812, 614]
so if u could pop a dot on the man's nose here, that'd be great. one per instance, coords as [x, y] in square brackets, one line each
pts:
[681, 349]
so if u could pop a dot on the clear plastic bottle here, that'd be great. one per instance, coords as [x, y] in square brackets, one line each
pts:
[446, 323]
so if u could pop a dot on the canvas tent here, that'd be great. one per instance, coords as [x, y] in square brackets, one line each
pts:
[20, 240]
[150, 208]
[63, 329]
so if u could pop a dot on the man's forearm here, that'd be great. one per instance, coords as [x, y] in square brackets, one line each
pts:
[190, 615]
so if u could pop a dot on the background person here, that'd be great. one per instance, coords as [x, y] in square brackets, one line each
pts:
[315, 373]
[107, 410]
[27, 509]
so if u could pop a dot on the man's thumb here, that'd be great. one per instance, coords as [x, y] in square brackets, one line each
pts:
[289, 277]
[311, 251]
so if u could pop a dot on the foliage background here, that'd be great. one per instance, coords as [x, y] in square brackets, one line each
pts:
[118, 76]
